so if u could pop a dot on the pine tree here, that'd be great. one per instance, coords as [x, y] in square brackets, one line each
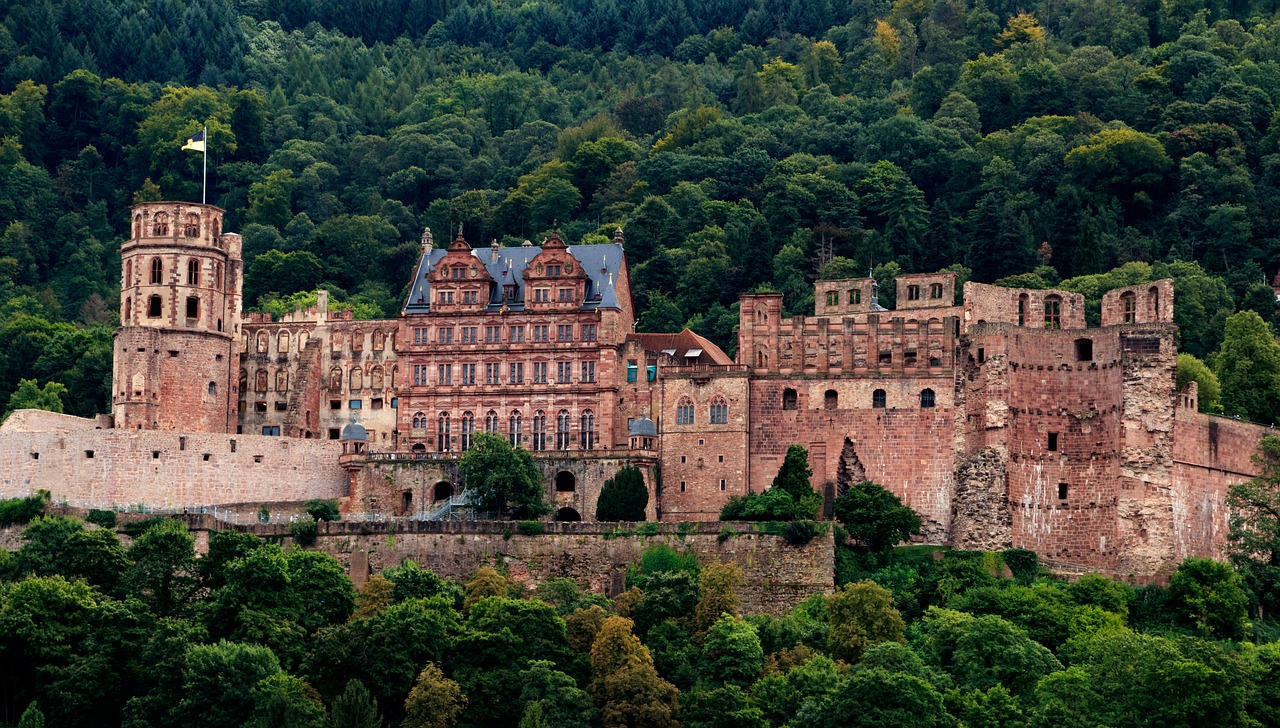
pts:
[623, 497]
[354, 708]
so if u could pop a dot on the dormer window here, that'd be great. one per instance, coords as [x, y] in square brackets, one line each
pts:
[458, 272]
[509, 292]
[553, 270]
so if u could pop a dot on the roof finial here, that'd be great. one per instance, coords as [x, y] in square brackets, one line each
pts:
[427, 241]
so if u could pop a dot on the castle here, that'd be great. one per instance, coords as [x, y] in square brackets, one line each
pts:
[1003, 420]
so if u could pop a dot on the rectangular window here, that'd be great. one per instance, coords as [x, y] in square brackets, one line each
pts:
[282, 406]
[356, 404]
[651, 373]
[588, 371]
[446, 334]
[468, 375]
[469, 297]
[553, 270]
[516, 335]
[541, 295]
[855, 297]
[566, 295]
[1062, 491]
[193, 307]
[563, 372]
[1053, 442]
[492, 372]
[271, 431]
[539, 372]
[564, 332]
[334, 433]
[516, 373]
[1053, 313]
[935, 290]
[259, 406]
[469, 334]
[588, 332]
[335, 404]
[632, 369]
[492, 334]
[913, 293]
[833, 298]
[540, 334]
[444, 374]
[445, 297]
[375, 403]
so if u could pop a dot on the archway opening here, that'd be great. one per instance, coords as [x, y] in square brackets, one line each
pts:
[419, 448]
[442, 491]
[406, 502]
[566, 483]
[568, 514]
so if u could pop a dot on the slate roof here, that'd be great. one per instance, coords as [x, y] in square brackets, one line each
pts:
[601, 263]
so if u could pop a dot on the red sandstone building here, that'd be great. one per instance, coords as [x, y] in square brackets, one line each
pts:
[1003, 420]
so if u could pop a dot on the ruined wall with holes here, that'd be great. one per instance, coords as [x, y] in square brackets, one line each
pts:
[1021, 307]
[126, 467]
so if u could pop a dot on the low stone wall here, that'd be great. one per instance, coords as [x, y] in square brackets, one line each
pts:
[778, 575]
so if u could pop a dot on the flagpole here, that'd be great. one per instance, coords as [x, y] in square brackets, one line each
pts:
[204, 176]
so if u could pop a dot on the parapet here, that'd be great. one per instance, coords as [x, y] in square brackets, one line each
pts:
[926, 290]
[1146, 303]
[1034, 309]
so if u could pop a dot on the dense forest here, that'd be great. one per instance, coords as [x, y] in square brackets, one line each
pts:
[741, 144]
[136, 630]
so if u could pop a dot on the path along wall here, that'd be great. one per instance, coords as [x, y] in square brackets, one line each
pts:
[778, 575]
[106, 467]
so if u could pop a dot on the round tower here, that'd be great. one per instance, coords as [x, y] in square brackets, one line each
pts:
[176, 356]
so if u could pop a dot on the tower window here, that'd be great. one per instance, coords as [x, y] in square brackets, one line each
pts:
[1053, 442]
[153, 307]
[213, 388]
[193, 307]
[1053, 312]
[1130, 302]
[1084, 349]
[157, 271]
[193, 272]
[927, 399]
[788, 399]
[878, 399]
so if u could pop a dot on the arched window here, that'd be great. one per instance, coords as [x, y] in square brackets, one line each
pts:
[153, 307]
[927, 399]
[442, 432]
[282, 343]
[335, 380]
[395, 374]
[762, 317]
[375, 378]
[878, 399]
[260, 380]
[491, 422]
[357, 340]
[719, 414]
[128, 310]
[1022, 309]
[762, 359]
[1154, 295]
[539, 430]
[282, 380]
[137, 226]
[1129, 302]
[935, 290]
[217, 276]
[831, 399]
[562, 430]
[468, 427]
[161, 226]
[788, 399]
[684, 411]
[303, 338]
[515, 423]
[157, 271]
[192, 227]
[128, 273]
[1052, 312]
[588, 434]
[419, 421]
[263, 341]
[357, 379]
[213, 389]
[244, 381]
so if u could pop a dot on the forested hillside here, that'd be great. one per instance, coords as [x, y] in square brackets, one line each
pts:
[739, 143]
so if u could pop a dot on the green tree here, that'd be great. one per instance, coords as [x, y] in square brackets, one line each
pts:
[718, 586]
[875, 697]
[861, 615]
[354, 708]
[502, 479]
[219, 681]
[1254, 539]
[794, 478]
[284, 701]
[1248, 367]
[435, 701]
[875, 517]
[732, 652]
[31, 717]
[162, 572]
[556, 697]
[1209, 596]
[623, 497]
[30, 395]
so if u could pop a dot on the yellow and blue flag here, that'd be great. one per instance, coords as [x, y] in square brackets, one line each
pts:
[195, 143]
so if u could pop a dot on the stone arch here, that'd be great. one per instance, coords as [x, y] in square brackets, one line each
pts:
[441, 491]
[191, 228]
[831, 399]
[160, 224]
[264, 341]
[566, 482]
[303, 338]
[568, 514]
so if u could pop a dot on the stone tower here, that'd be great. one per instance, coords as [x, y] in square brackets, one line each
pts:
[176, 350]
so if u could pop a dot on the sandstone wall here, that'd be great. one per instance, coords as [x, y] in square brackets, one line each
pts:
[1210, 454]
[107, 467]
[778, 576]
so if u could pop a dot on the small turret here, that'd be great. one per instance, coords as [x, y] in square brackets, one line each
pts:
[428, 242]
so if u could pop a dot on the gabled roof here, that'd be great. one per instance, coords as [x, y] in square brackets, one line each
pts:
[686, 347]
[601, 263]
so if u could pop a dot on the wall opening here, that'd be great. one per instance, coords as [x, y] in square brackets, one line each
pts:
[1084, 349]
[406, 502]
[831, 400]
[927, 399]
[1062, 491]
[565, 482]
[1053, 442]
[193, 307]
[442, 491]
[568, 514]
[153, 307]
[982, 355]
[788, 399]
[878, 399]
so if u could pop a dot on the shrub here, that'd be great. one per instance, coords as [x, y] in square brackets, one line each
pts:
[134, 529]
[647, 529]
[106, 519]
[323, 510]
[799, 533]
[726, 533]
[875, 517]
[531, 528]
[304, 532]
[23, 510]
[1023, 563]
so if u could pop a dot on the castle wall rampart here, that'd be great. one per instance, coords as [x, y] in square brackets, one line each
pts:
[1210, 454]
[123, 467]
